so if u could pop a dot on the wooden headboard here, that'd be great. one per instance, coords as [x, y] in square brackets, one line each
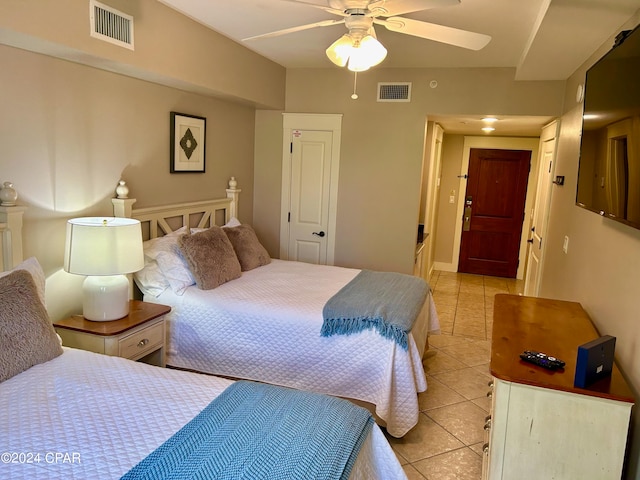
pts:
[11, 236]
[158, 221]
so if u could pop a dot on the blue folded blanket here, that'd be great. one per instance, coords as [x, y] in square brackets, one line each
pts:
[385, 301]
[255, 431]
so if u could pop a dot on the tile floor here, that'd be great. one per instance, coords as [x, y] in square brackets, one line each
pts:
[447, 442]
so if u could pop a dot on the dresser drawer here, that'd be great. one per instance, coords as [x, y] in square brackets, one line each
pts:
[137, 344]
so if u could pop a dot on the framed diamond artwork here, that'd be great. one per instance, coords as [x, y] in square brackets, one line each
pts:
[187, 143]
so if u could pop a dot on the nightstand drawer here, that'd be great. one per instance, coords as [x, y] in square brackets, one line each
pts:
[137, 344]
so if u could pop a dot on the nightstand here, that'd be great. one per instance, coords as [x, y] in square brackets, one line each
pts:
[138, 336]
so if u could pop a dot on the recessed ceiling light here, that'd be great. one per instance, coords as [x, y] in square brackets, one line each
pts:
[489, 119]
[488, 129]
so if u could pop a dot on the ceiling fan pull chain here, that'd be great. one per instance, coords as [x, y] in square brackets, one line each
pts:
[355, 80]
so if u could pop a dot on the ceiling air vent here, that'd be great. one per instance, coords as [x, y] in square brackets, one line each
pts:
[394, 92]
[110, 25]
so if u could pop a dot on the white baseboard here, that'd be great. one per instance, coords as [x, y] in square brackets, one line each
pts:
[445, 267]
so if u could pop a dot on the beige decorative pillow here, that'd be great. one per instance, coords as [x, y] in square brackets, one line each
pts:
[210, 256]
[250, 252]
[27, 337]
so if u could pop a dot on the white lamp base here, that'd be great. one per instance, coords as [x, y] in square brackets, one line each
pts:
[105, 297]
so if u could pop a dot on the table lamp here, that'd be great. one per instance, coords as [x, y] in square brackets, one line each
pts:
[104, 249]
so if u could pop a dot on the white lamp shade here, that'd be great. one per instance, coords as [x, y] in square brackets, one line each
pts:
[339, 51]
[368, 54]
[104, 249]
[103, 246]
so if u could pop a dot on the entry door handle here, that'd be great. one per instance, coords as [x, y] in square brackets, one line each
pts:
[320, 233]
[466, 219]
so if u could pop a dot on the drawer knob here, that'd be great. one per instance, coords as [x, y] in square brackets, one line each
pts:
[143, 342]
[489, 394]
[485, 448]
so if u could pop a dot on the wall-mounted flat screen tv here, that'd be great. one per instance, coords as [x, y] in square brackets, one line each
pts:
[609, 172]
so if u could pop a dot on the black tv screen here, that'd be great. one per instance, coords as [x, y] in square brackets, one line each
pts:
[609, 172]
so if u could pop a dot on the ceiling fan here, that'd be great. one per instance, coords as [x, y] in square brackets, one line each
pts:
[360, 49]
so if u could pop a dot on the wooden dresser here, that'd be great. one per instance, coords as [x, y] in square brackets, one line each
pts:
[541, 426]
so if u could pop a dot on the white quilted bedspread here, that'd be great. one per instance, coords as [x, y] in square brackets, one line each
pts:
[265, 326]
[91, 416]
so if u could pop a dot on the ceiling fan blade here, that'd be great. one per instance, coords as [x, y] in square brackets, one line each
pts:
[387, 8]
[438, 33]
[335, 11]
[299, 28]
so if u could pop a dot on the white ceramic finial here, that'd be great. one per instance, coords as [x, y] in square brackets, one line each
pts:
[233, 183]
[122, 191]
[8, 195]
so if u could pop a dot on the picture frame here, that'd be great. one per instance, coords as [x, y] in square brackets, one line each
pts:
[188, 138]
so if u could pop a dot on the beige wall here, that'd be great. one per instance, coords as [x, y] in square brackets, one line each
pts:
[383, 143]
[69, 132]
[601, 269]
[452, 151]
[170, 48]
[268, 178]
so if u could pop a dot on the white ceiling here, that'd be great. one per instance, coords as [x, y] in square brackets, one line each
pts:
[541, 39]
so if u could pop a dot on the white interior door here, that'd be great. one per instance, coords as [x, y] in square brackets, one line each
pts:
[536, 241]
[309, 187]
[309, 206]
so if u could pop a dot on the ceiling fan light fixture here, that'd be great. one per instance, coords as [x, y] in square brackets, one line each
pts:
[360, 55]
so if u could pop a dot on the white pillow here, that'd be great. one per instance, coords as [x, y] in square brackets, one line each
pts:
[151, 280]
[32, 266]
[162, 244]
[233, 222]
[175, 269]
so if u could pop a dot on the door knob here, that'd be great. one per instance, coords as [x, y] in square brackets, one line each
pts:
[320, 234]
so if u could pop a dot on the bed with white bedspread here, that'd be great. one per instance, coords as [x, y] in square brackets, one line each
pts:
[265, 326]
[106, 414]
[71, 414]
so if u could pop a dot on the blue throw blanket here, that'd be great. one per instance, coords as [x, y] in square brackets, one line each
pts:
[254, 431]
[385, 301]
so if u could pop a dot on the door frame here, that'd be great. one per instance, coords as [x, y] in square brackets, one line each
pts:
[550, 133]
[432, 196]
[499, 143]
[318, 122]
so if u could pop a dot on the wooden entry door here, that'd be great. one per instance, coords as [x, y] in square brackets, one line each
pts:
[494, 211]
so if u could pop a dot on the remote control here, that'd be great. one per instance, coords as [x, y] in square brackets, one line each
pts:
[542, 360]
